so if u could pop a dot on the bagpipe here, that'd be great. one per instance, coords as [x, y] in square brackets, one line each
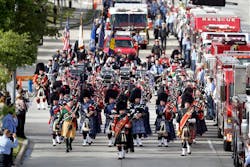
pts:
[41, 85]
[71, 114]
[109, 128]
[200, 107]
[170, 110]
[92, 111]
[137, 111]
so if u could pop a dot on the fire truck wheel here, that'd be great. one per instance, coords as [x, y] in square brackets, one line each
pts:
[227, 146]
[219, 135]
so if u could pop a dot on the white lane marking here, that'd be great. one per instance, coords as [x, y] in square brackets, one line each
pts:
[211, 146]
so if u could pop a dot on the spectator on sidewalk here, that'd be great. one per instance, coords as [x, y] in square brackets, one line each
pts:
[10, 123]
[22, 108]
[5, 148]
[210, 88]
[193, 59]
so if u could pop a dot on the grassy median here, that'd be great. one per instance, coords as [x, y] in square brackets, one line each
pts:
[16, 150]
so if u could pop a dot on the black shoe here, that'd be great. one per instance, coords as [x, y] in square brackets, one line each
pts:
[24, 137]
[67, 150]
[70, 144]
[215, 124]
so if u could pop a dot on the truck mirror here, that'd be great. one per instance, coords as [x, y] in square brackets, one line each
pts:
[223, 93]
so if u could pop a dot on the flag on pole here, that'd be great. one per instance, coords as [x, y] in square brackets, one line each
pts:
[112, 41]
[66, 36]
[101, 35]
[92, 44]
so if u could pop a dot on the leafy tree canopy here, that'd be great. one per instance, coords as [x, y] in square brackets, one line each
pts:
[16, 50]
[24, 16]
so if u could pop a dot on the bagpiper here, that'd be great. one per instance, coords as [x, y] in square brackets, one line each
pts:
[68, 116]
[186, 118]
[162, 124]
[54, 120]
[138, 128]
[109, 111]
[199, 102]
[89, 118]
[121, 127]
[41, 83]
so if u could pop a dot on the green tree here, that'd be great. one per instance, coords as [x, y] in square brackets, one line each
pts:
[7, 8]
[30, 16]
[16, 50]
[5, 77]
[24, 16]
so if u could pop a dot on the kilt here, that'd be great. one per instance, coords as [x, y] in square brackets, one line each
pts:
[68, 129]
[121, 138]
[138, 126]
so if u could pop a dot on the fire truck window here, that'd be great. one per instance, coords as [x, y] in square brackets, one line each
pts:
[231, 92]
[121, 20]
[138, 20]
[123, 43]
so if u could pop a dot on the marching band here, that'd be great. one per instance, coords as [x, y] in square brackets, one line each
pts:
[120, 87]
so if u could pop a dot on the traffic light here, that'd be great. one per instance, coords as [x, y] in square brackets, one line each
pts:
[210, 2]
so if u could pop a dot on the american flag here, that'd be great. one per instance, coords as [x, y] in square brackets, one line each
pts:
[101, 35]
[92, 44]
[66, 36]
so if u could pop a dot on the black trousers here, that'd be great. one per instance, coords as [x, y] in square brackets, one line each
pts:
[21, 122]
[5, 160]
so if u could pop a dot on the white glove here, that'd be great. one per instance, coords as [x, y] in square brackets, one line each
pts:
[193, 120]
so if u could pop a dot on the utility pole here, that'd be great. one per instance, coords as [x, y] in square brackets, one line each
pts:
[80, 40]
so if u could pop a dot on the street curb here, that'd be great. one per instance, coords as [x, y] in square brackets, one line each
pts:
[20, 155]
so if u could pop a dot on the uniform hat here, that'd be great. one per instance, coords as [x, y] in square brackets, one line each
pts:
[86, 93]
[40, 66]
[121, 105]
[188, 90]
[187, 98]
[54, 96]
[57, 84]
[136, 93]
[163, 97]
[111, 93]
[123, 97]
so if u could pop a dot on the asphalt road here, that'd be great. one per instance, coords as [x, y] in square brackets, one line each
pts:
[207, 152]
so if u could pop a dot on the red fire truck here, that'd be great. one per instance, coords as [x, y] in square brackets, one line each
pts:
[234, 44]
[130, 17]
[239, 43]
[212, 20]
[241, 115]
[225, 84]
